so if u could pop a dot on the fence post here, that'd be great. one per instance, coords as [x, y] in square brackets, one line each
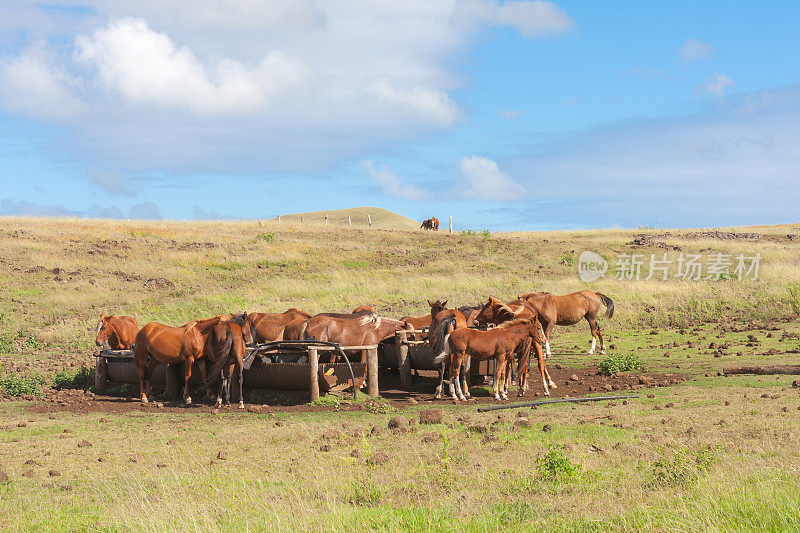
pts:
[372, 372]
[279, 219]
[403, 362]
[313, 374]
[100, 374]
[301, 220]
[369, 219]
[326, 220]
[349, 220]
[451, 224]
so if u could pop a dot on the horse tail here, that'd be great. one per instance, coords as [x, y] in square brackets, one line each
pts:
[442, 337]
[301, 335]
[608, 302]
[222, 356]
[445, 351]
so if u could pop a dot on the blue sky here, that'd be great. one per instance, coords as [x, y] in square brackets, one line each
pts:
[508, 115]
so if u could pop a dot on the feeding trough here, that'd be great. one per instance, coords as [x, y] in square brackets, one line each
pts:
[280, 365]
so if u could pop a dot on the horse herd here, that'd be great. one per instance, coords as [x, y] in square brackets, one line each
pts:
[494, 331]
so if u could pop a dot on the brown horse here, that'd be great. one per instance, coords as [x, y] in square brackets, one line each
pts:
[496, 312]
[500, 344]
[568, 310]
[268, 327]
[225, 347]
[351, 331]
[443, 322]
[431, 224]
[184, 344]
[116, 332]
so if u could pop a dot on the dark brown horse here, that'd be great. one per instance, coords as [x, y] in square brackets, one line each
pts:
[443, 322]
[568, 310]
[116, 332]
[268, 327]
[351, 331]
[499, 344]
[225, 347]
[184, 344]
[431, 224]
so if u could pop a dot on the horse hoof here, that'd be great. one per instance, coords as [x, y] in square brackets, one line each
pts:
[552, 385]
[188, 400]
[241, 405]
[144, 400]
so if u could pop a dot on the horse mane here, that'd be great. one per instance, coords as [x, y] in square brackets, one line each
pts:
[515, 322]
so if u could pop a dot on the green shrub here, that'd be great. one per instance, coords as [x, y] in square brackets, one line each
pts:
[331, 399]
[80, 379]
[379, 405]
[7, 344]
[568, 258]
[619, 363]
[794, 297]
[556, 466]
[682, 470]
[266, 237]
[21, 385]
[365, 492]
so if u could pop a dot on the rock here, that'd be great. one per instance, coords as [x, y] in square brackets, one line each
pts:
[161, 465]
[332, 434]
[669, 404]
[325, 448]
[574, 377]
[222, 455]
[376, 430]
[478, 428]
[84, 444]
[412, 401]
[21, 424]
[431, 416]
[727, 402]
[4, 477]
[608, 387]
[255, 409]
[489, 438]
[378, 459]
[54, 473]
[785, 409]
[27, 473]
[522, 422]
[546, 428]
[398, 422]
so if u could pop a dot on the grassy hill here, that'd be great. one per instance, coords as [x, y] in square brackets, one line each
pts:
[381, 218]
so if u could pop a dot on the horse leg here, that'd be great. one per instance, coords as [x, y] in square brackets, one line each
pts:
[547, 331]
[222, 382]
[141, 363]
[545, 375]
[151, 365]
[202, 364]
[593, 326]
[466, 376]
[240, 368]
[187, 373]
[600, 336]
[455, 365]
[441, 380]
[496, 384]
[228, 384]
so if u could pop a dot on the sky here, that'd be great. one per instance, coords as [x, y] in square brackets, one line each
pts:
[508, 115]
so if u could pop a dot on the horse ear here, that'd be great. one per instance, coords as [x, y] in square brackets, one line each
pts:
[444, 303]
[430, 303]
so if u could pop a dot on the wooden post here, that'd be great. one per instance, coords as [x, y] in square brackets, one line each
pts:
[372, 372]
[369, 219]
[403, 362]
[349, 220]
[313, 374]
[279, 219]
[174, 381]
[301, 220]
[100, 374]
[326, 220]
[451, 224]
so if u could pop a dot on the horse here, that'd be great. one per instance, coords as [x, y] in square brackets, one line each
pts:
[443, 322]
[225, 347]
[351, 331]
[291, 331]
[470, 313]
[431, 224]
[116, 332]
[568, 310]
[496, 312]
[268, 327]
[172, 345]
[500, 344]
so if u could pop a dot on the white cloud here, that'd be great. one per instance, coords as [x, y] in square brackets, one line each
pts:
[434, 107]
[485, 181]
[693, 49]
[391, 184]
[511, 114]
[718, 84]
[146, 67]
[531, 18]
[29, 84]
[112, 182]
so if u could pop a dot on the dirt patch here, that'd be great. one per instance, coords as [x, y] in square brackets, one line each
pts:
[644, 240]
[723, 235]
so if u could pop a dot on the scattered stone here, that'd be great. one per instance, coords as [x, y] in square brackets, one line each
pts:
[222, 455]
[54, 473]
[376, 430]
[522, 422]
[785, 409]
[84, 444]
[574, 377]
[355, 454]
[727, 402]
[21, 424]
[546, 428]
[491, 437]
[27, 473]
[332, 434]
[412, 401]
[378, 459]
[478, 428]
[4, 477]
[101, 459]
[325, 448]
[431, 416]
[765, 395]
[608, 387]
[398, 422]
[161, 465]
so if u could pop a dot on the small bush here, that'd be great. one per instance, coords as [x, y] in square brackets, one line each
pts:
[794, 297]
[620, 363]
[362, 492]
[21, 385]
[568, 258]
[556, 466]
[331, 399]
[266, 237]
[81, 379]
[379, 406]
[682, 470]
[7, 344]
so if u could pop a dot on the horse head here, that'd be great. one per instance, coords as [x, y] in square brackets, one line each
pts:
[104, 330]
[437, 307]
[488, 312]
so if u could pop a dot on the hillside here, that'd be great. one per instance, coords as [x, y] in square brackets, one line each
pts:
[381, 218]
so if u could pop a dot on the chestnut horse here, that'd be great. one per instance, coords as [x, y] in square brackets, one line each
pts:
[353, 331]
[184, 344]
[431, 224]
[291, 331]
[268, 327]
[443, 322]
[568, 310]
[116, 332]
[225, 347]
[496, 312]
[500, 344]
